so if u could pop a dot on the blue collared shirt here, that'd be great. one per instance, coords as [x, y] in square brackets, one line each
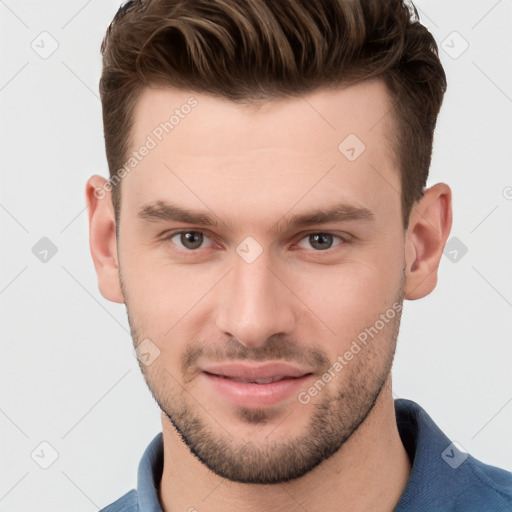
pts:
[443, 478]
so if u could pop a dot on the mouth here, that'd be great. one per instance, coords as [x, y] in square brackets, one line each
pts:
[266, 380]
[256, 386]
[256, 372]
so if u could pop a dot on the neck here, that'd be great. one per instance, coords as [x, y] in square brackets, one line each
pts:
[369, 472]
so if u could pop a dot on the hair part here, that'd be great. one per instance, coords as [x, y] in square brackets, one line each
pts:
[254, 51]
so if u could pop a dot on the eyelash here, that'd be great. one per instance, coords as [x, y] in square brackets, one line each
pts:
[343, 240]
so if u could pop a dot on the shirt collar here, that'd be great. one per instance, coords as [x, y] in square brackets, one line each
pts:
[149, 475]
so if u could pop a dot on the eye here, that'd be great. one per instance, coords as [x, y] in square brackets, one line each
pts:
[193, 240]
[190, 240]
[321, 241]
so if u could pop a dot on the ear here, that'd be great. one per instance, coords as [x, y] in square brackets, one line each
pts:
[102, 237]
[430, 222]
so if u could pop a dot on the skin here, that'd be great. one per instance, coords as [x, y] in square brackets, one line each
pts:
[252, 166]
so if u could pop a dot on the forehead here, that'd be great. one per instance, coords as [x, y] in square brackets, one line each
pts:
[318, 119]
[324, 145]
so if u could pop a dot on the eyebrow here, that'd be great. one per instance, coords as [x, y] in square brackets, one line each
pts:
[342, 212]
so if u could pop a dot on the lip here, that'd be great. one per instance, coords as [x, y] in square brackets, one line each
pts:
[252, 395]
[252, 371]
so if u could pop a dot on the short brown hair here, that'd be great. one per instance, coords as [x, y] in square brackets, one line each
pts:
[246, 50]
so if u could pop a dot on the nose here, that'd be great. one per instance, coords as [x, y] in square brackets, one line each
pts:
[256, 303]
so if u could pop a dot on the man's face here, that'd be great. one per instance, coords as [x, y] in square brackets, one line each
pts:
[229, 301]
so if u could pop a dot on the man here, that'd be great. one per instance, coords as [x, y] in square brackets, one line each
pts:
[265, 217]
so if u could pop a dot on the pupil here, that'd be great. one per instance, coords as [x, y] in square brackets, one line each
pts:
[318, 239]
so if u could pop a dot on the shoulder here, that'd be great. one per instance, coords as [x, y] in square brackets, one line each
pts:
[444, 477]
[486, 486]
[126, 503]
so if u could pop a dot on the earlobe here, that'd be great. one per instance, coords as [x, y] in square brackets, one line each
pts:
[102, 238]
[430, 223]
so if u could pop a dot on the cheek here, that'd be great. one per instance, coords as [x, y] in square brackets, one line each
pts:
[163, 297]
[352, 297]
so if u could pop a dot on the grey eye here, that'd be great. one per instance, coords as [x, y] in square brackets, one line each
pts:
[190, 239]
[320, 241]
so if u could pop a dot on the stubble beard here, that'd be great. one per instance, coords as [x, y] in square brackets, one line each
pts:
[335, 416]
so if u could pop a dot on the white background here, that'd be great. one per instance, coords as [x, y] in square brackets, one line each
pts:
[67, 369]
